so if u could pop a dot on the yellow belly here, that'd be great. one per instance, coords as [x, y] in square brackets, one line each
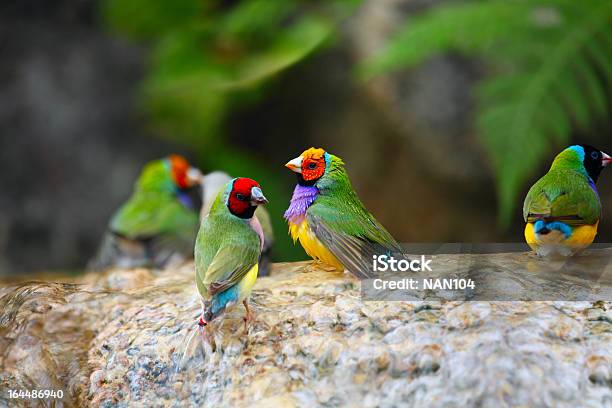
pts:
[313, 247]
[246, 284]
[581, 237]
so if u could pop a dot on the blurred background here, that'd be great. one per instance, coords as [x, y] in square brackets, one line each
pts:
[445, 112]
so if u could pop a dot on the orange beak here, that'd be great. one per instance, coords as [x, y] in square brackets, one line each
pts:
[295, 164]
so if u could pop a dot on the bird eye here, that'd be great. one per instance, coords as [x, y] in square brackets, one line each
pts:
[595, 155]
[312, 165]
[241, 197]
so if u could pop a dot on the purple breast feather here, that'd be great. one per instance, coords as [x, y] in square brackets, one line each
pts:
[302, 197]
[185, 200]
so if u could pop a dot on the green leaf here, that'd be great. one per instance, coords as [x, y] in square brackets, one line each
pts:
[599, 52]
[253, 17]
[555, 121]
[594, 91]
[292, 46]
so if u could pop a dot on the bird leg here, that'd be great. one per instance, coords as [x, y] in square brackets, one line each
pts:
[205, 334]
[249, 317]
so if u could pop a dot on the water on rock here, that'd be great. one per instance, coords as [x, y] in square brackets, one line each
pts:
[128, 338]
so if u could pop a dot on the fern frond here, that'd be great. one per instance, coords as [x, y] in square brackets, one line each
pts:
[553, 62]
[596, 50]
[464, 27]
[593, 89]
[563, 85]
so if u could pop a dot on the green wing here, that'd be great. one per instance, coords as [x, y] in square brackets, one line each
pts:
[564, 195]
[148, 215]
[226, 249]
[350, 232]
[228, 267]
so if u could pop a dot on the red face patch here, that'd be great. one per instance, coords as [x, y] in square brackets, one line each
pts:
[239, 201]
[179, 166]
[313, 164]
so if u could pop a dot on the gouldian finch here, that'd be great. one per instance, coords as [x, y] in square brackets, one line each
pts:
[227, 249]
[329, 220]
[160, 220]
[562, 209]
[216, 181]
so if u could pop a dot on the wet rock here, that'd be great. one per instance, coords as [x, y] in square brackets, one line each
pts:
[600, 369]
[468, 315]
[122, 339]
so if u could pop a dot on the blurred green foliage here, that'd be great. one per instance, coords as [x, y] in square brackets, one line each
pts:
[209, 57]
[551, 70]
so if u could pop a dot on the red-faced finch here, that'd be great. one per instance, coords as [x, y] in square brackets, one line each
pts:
[227, 250]
[214, 182]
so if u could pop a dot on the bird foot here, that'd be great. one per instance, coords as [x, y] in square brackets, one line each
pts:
[249, 316]
[206, 335]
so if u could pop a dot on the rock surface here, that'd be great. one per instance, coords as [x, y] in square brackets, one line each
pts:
[128, 338]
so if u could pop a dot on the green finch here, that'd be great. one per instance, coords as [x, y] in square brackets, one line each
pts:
[160, 220]
[562, 209]
[216, 181]
[228, 248]
[328, 218]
